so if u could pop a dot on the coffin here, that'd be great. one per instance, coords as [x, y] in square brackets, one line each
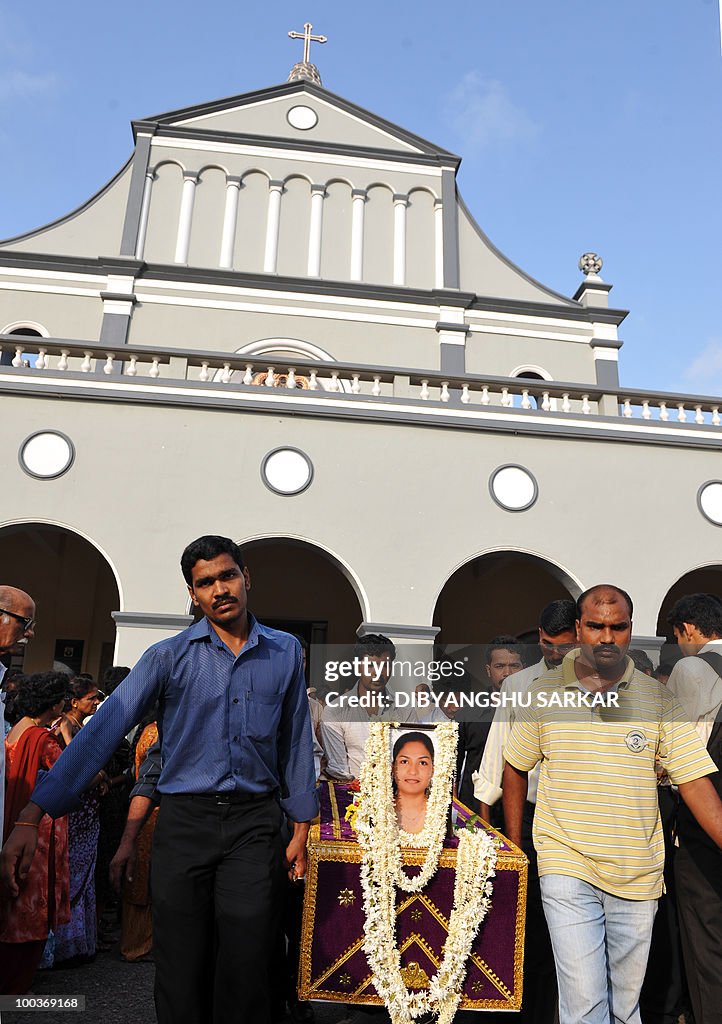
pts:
[333, 965]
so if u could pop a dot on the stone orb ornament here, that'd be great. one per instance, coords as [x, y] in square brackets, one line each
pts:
[590, 263]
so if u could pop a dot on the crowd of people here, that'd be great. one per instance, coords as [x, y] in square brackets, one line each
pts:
[621, 820]
[67, 908]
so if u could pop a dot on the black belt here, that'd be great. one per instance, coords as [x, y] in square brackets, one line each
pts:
[220, 798]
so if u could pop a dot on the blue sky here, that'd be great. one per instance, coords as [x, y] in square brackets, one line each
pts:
[582, 126]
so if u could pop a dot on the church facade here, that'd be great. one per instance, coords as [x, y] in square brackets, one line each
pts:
[280, 322]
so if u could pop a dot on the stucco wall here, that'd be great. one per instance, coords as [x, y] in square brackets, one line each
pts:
[93, 229]
[402, 507]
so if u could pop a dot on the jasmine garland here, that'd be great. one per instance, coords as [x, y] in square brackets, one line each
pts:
[382, 873]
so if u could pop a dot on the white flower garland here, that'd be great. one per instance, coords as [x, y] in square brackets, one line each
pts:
[382, 872]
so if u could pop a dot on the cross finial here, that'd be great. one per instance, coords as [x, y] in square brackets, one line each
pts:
[307, 40]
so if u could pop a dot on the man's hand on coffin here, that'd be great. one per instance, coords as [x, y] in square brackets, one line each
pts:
[296, 851]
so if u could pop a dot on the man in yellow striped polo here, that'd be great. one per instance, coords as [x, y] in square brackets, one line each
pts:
[597, 726]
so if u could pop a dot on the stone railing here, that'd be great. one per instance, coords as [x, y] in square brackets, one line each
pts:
[43, 359]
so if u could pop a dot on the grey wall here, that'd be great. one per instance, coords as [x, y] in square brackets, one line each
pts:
[94, 229]
[402, 507]
[269, 118]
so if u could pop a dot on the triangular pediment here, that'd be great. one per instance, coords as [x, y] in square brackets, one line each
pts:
[268, 113]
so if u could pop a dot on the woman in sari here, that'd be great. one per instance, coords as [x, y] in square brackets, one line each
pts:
[77, 940]
[43, 902]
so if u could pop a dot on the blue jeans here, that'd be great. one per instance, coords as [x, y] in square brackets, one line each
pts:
[601, 946]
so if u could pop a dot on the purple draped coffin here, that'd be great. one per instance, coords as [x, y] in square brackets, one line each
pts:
[333, 964]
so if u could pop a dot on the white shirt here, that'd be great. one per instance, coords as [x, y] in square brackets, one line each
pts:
[698, 688]
[344, 731]
[487, 781]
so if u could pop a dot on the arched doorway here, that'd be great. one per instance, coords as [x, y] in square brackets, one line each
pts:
[706, 579]
[74, 590]
[500, 592]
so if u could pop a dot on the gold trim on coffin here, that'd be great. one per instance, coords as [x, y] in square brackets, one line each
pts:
[350, 853]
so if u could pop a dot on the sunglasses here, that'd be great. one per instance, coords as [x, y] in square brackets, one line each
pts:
[28, 622]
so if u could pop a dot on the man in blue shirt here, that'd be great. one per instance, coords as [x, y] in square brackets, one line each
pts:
[237, 754]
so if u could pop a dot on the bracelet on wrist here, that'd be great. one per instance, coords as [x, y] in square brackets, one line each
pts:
[27, 824]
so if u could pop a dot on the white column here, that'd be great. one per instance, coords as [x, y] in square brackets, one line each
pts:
[270, 259]
[400, 204]
[314, 237]
[439, 242]
[185, 220]
[357, 233]
[230, 217]
[144, 213]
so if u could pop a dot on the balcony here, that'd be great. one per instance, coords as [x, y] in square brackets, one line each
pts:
[92, 371]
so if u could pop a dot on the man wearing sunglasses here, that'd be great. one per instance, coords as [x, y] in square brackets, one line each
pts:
[17, 622]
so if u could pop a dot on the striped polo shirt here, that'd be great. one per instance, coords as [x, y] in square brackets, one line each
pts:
[597, 816]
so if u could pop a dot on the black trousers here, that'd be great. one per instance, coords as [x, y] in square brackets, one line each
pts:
[664, 992]
[540, 999]
[215, 878]
[698, 874]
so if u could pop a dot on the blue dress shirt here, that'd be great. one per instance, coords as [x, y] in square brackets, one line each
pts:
[226, 724]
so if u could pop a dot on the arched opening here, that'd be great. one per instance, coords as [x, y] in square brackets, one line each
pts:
[706, 579]
[74, 590]
[533, 375]
[20, 331]
[300, 588]
[500, 592]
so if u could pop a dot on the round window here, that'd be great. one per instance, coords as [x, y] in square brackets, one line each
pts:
[287, 471]
[513, 488]
[709, 499]
[47, 454]
[302, 118]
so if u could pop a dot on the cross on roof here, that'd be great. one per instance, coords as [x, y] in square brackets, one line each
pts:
[307, 40]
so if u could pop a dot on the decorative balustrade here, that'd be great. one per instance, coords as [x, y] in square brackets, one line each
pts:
[57, 358]
[669, 408]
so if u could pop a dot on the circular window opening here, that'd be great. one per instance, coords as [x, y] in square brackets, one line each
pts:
[709, 499]
[513, 488]
[47, 454]
[302, 118]
[287, 471]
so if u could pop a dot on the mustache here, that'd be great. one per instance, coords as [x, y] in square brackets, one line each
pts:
[224, 600]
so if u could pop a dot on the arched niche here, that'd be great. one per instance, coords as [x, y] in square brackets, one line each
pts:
[294, 230]
[336, 232]
[378, 264]
[165, 203]
[75, 590]
[250, 239]
[420, 240]
[208, 209]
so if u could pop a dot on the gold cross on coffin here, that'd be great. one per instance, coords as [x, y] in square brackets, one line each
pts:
[307, 40]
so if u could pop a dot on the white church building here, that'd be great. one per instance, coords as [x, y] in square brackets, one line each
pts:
[280, 322]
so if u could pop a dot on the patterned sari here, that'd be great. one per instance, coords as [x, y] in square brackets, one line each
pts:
[78, 938]
[43, 901]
